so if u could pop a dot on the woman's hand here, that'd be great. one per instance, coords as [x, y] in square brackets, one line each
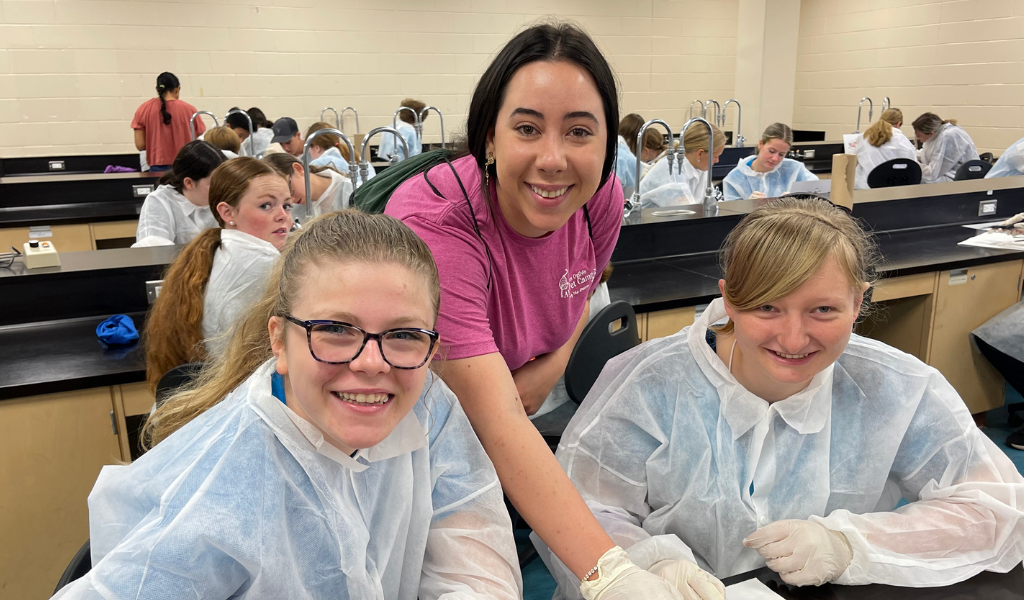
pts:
[619, 579]
[692, 582]
[802, 552]
[757, 195]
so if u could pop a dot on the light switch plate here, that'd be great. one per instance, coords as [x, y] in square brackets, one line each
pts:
[987, 208]
[153, 290]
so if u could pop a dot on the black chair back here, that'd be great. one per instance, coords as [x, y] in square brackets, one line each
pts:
[972, 169]
[895, 172]
[77, 568]
[175, 379]
[988, 157]
[610, 333]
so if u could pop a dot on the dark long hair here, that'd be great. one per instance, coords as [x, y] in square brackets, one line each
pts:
[166, 82]
[195, 160]
[560, 41]
[259, 119]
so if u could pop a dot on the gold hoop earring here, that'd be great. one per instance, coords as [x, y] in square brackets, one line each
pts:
[487, 171]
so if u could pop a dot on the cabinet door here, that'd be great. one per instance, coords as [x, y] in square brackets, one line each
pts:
[65, 238]
[965, 299]
[51, 450]
[666, 322]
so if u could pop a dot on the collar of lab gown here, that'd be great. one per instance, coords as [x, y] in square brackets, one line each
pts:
[169, 192]
[240, 238]
[806, 411]
[408, 436]
[746, 169]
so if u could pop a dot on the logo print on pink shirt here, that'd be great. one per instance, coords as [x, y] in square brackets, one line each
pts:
[569, 286]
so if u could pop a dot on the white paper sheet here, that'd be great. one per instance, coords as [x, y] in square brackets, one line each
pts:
[751, 589]
[995, 239]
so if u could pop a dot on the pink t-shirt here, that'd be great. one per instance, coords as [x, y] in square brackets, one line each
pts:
[538, 286]
[164, 141]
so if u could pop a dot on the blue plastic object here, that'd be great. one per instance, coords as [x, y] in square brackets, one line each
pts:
[117, 330]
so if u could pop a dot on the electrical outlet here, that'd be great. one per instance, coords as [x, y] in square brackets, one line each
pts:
[153, 290]
[56, 165]
[987, 208]
[141, 191]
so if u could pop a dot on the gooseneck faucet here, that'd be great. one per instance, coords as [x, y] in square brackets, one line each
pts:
[439, 116]
[871, 111]
[394, 126]
[238, 111]
[740, 140]
[192, 121]
[718, 110]
[700, 103]
[886, 104]
[364, 165]
[305, 163]
[634, 202]
[337, 119]
[343, 111]
[709, 202]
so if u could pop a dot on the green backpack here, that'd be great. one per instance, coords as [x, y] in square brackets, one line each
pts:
[372, 197]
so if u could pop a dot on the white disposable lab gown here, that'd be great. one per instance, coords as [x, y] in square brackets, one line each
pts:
[869, 157]
[388, 142]
[249, 501]
[1011, 163]
[332, 158]
[168, 218]
[684, 186]
[241, 268]
[943, 153]
[678, 460]
[336, 196]
[263, 136]
[743, 181]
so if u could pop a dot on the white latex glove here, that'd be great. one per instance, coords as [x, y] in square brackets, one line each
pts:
[619, 579]
[692, 582]
[756, 195]
[802, 552]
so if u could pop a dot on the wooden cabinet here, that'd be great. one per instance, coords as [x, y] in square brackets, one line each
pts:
[132, 402]
[664, 322]
[113, 234]
[52, 448]
[66, 238]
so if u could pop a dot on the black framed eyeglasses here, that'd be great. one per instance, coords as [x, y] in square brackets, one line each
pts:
[338, 343]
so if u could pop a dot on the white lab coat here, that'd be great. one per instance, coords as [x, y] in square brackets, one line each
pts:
[332, 157]
[263, 136]
[388, 142]
[869, 157]
[684, 186]
[241, 269]
[336, 196]
[249, 501]
[1011, 163]
[942, 155]
[679, 461]
[168, 218]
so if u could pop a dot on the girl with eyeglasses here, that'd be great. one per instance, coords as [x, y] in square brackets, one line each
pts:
[318, 457]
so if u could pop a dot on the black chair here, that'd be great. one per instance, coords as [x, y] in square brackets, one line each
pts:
[175, 379]
[77, 568]
[988, 157]
[895, 172]
[972, 169]
[610, 333]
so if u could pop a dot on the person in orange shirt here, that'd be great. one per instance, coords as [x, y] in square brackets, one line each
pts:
[161, 124]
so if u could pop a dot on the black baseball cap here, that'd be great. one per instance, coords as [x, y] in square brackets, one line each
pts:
[284, 129]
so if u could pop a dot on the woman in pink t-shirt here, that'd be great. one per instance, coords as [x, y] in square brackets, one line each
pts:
[161, 124]
[520, 230]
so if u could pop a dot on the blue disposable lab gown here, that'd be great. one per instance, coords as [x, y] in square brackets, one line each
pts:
[743, 181]
[388, 142]
[1011, 163]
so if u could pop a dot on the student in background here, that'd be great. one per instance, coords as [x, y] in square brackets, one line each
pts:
[882, 142]
[225, 139]
[328, 151]
[406, 127]
[945, 147]
[767, 174]
[287, 137]
[161, 124]
[331, 189]
[179, 208]
[221, 271]
[687, 182]
[262, 130]
[1011, 163]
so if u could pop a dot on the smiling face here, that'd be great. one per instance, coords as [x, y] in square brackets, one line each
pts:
[264, 211]
[780, 347]
[376, 298]
[548, 145]
[769, 155]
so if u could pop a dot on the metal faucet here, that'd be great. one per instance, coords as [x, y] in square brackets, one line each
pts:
[305, 163]
[417, 125]
[343, 111]
[886, 104]
[699, 103]
[718, 110]
[740, 140]
[439, 116]
[634, 201]
[238, 111]
[871, 111]
[192, 121]
[364, 165]
[337, 118]
[709, 202]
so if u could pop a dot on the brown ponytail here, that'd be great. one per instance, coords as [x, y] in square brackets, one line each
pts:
[879, 133]
[174, 327]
